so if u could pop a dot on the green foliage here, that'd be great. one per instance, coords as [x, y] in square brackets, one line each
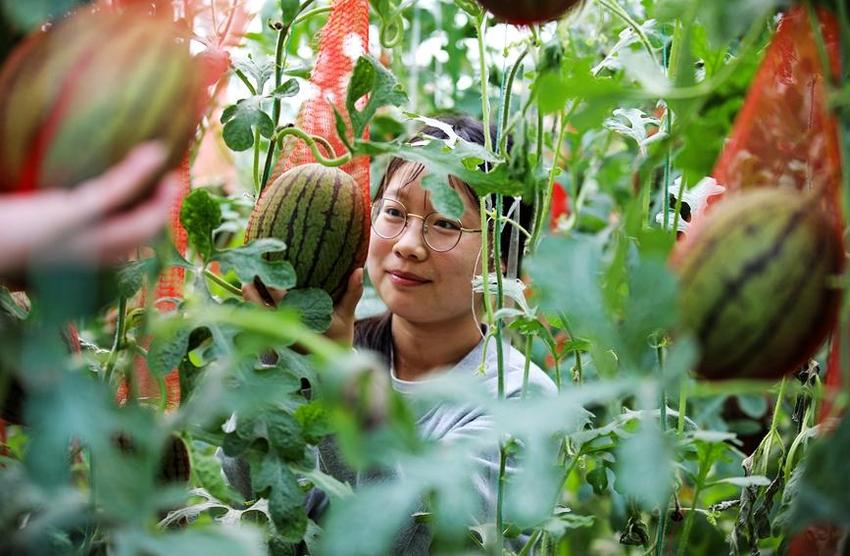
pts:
[632, 451]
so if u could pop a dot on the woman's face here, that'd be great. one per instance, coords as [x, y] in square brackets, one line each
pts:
[415, 282]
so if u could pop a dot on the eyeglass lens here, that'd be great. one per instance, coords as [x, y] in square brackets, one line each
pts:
[389, 218]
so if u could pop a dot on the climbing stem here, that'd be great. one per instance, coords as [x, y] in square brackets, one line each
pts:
[313, 142]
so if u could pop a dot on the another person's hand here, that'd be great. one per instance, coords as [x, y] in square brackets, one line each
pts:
[86, 224]
[341, 329]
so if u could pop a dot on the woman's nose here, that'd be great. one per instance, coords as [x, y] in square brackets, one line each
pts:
[410, 243]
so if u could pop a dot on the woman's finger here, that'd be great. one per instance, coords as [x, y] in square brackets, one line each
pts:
[353, 293]
[270, 298]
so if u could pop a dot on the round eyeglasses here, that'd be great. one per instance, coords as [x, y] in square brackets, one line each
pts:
[389, 218]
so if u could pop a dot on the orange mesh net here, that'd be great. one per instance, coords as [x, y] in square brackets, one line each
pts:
[344, 38]
[168, 289]
[784, 133]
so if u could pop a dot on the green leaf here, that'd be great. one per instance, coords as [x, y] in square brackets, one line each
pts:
[289, 10]
[353, 525]
[328, 484]
[753, 405]
[239, 120]
[210, 541]
[300, 72]
[644, 470]
[371, 78]
[286, 501]
[565, 273]
[8, 305]
[314, 306]
[249, 261]
[200, 215]
[824, 488]
[288, 88]
[131, 275]
[446, 199]
[284, 435]
[598, 479]
[314, 421]
[460, 160]
[261, 72]
[165, 354]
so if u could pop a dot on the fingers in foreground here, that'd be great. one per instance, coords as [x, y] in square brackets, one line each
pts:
[352, 294]
[119, 234]
[252, 294]
[122, 183]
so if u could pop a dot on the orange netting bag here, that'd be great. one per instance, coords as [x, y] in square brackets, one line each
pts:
[344, 38]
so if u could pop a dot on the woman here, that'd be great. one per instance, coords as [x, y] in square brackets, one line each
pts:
[422, 265]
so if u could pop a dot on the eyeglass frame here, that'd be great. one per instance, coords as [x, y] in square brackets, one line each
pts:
[424, 229]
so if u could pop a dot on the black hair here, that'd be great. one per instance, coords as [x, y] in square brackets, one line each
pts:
[374, 333]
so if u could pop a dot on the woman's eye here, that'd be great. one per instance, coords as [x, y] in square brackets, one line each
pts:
[392, 212]
[444, 224]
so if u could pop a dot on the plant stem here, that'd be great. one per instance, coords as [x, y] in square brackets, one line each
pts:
[242, 77]
[527, 366]
[618, 11]
[307, 15]
[482, 67]
[532, 540]
[767, 444]
[500, 296]
[662, 410]
[506, 105]
[683, 406]
[279, 63]
[678, 205]
[704, 467]
[579, 368]
[218, 280]
[118, 340]
[256, 163]
[543, 211]
[282, 35]
[500, 500]
[312, 142]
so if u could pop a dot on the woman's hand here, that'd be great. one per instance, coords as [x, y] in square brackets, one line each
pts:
[341, 329]
[85, 224]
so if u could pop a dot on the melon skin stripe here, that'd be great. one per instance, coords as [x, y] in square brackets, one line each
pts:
[321, 216]
[757, 283]
[75, 99]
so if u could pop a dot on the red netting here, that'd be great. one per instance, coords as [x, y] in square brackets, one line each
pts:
[344, 38]
[784, 134]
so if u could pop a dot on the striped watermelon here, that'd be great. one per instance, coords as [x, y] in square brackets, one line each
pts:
[320, 213]
[74, 100]
[757, 283]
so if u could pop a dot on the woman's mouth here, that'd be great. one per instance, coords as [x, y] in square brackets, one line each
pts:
[406, 279]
